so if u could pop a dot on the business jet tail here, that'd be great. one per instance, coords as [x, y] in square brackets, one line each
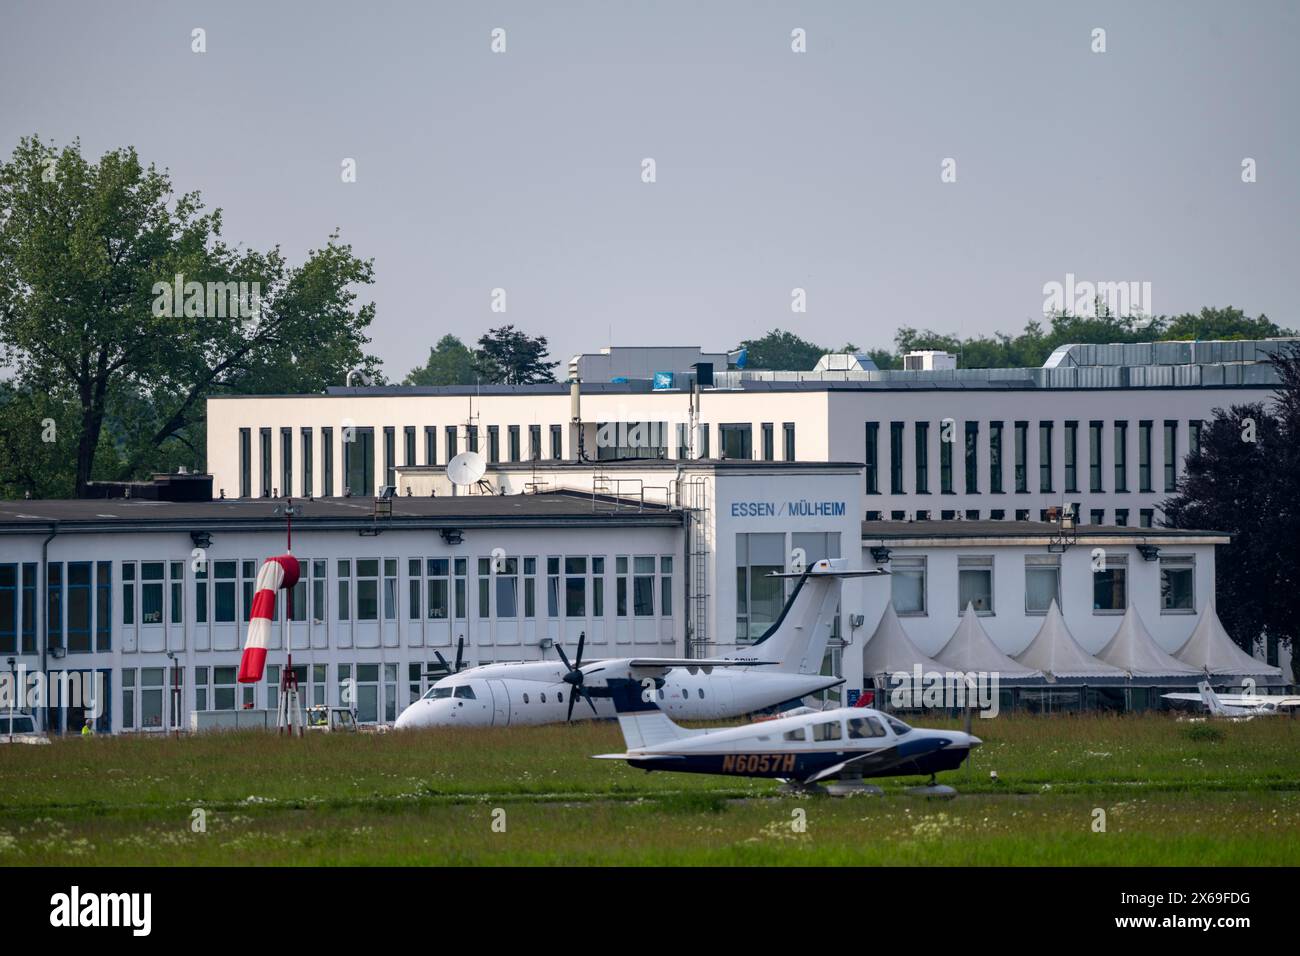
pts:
[796, 642]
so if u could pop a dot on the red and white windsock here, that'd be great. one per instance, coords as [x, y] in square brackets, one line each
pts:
[276, 574]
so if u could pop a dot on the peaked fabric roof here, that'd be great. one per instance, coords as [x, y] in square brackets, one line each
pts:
[890, 649]
[1212, 651]
[1056, 653]
[970, 649]
[1136, 652]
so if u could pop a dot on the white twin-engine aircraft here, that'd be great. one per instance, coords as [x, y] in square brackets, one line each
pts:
[1239, 706]
[780, 666]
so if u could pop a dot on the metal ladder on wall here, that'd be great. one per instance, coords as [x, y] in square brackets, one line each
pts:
[696, 507]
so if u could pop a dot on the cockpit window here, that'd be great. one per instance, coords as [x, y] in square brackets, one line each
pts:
[437, 693]
[862, 727]
[464, 692]
[898, 726]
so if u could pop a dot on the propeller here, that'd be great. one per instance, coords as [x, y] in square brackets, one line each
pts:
[575, 677]
[460, 654]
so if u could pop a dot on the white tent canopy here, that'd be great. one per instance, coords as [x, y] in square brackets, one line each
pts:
[1211, 651]
[1134, 651]
[1056, 653]
[971, 650]
[890, 650]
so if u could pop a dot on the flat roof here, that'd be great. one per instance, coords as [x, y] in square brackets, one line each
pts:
[633, 464]
[1032, 532]
[546, 509]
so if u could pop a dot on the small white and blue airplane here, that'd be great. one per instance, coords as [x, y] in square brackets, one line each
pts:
[846, 744]
[781, 666]
[1239, 706]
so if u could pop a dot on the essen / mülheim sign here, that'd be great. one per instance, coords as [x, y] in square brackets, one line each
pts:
[794, 508]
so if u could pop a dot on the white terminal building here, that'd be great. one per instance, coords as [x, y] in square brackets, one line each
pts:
[646, 514]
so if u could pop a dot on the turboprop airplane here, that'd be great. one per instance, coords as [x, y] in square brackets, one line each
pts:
[1239, 706]
[782, 665]
[846, 744]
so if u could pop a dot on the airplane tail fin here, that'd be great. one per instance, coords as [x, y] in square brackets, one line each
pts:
[639, 717]
[796, 641]
[1211, 698]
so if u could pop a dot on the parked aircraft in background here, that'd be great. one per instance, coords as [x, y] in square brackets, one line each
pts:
[1240, 706]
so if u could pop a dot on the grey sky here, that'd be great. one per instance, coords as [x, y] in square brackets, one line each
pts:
[775, 170]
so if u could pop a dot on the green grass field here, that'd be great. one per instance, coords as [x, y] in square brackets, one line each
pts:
[1172, 794]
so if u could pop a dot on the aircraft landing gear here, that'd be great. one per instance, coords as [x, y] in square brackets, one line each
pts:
[932, 790]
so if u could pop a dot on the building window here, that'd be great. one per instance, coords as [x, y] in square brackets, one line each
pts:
[643, 586]
[1071, 456]
[1171, 456]
[1110, 585]
[907, 586]
[265, 443]
[1094, 456]
[557, 442]
[704, 441]
[367, 589]
[1044, 456]
[1146, 517]
[390, 456]
[151, 592]
[1121, 456]
[449, 441]
[1022, 456]
[1042, 582]
[972, 457]
[327, 462]
[1097, 516]
[665, 585]
[359, 460]
[1177, 584]
[736, 441]
[995, 457]
[769, 441]
[534, 442]
[176, 591]
[343, 590]
[1022, 514]
[471, 437]
[597, 586]
[223, 592]
[79, 603]
[286, 461]
[872, 458]
[787, 435]
[575, 587]
[530, 587]
[896, 458]
[245, 463]
[408, 446]
[759, 598]
[1144, 456]
[975, 584]
[437, 589]
[431, 445]
[1194, 437]
[1121, 517]
[494, 443]
[946, 441]
[921, 442]
[308, 463]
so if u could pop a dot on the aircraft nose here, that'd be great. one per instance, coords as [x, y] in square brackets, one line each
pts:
[975, 742]
[412, 716]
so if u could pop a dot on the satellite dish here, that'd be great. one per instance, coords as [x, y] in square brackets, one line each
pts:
[466, 468]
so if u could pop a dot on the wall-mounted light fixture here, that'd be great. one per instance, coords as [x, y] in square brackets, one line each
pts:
[880, 555]
[201, 539]
[1149, 552]
[452, 536]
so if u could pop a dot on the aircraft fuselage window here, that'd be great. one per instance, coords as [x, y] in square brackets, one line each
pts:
[700, 691]
[898, 726]
[525, 698]
[465, 692]
[559, 695]
[543, 698]
[827, 731]
[796, 734]
[661, 695]
[863, 727]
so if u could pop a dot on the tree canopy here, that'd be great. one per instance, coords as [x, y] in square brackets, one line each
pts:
[104, 345]
[450, 362]
[507, 356]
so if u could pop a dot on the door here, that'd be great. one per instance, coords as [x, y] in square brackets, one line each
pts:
[500, 703]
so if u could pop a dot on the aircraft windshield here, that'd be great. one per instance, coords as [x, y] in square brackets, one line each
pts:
[437, 693]
[465, 692]
[899, 727]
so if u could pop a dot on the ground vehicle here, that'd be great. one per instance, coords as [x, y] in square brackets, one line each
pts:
[331, 719]
[20, 729]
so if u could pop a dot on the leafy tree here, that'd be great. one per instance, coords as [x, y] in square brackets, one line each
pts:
[783, 351]
[86, 248]
[1246, 481]
[450, 362]
[1227, 323]
[510, 357]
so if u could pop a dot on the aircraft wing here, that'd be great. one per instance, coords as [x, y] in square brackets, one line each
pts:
[1191, 697]
[873, 761]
